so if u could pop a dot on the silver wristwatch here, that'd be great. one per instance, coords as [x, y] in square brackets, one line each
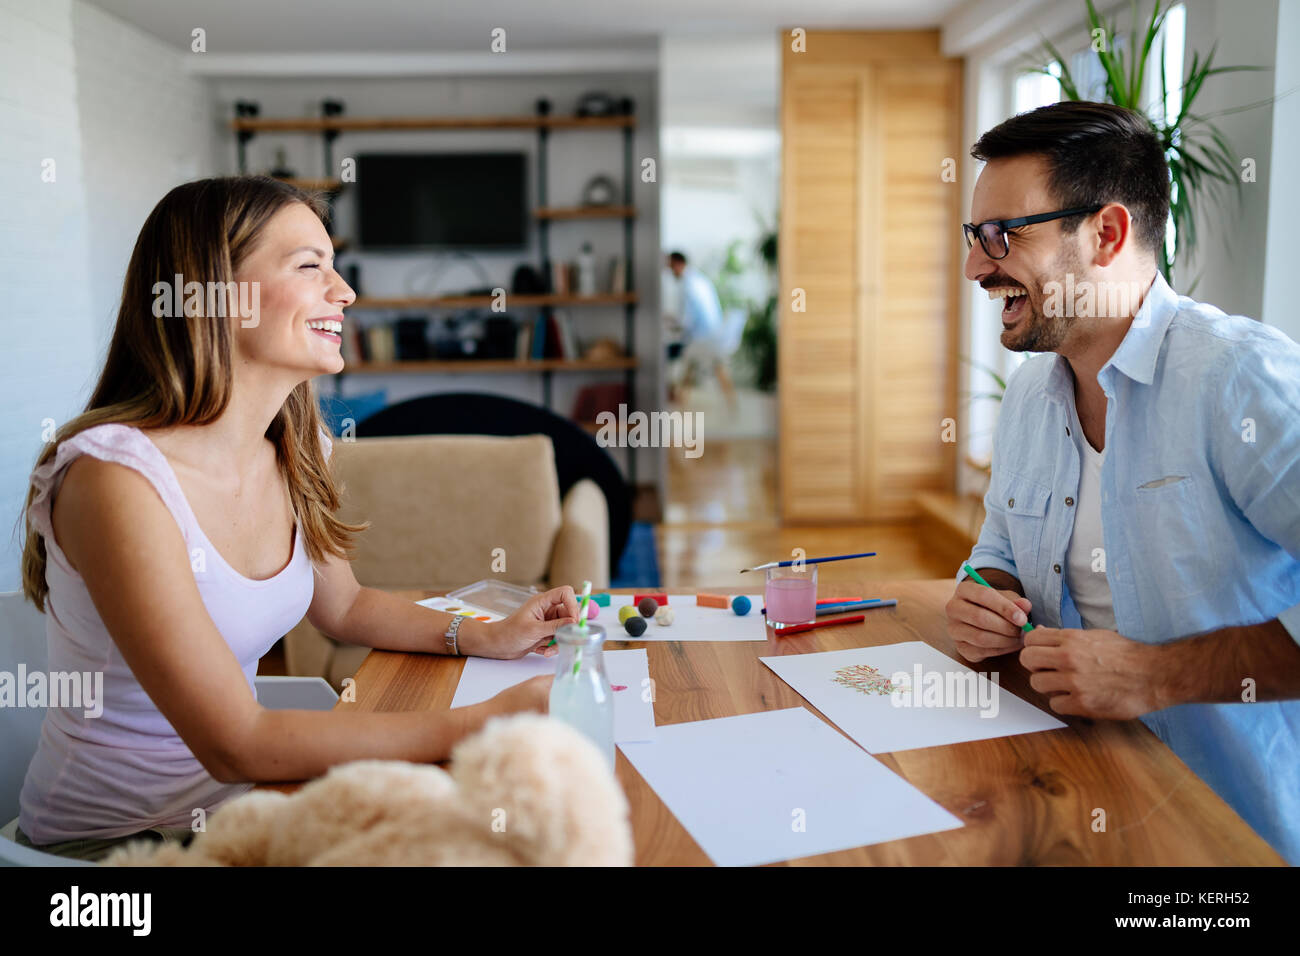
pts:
[450, 636]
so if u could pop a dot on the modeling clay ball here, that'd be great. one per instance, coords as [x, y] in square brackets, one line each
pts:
[625, 612]
[635, 626]
[740, 604]
[664, 616]
[648, 606]
[592, 610]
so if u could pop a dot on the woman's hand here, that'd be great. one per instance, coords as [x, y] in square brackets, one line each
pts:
[530, 628]
[532, 696]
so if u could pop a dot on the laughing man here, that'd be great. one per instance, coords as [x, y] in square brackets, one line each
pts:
[1144, 505]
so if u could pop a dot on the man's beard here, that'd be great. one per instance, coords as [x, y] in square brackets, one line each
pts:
[1038, 332]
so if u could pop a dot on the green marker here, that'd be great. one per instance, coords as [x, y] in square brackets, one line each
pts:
[1026, 627]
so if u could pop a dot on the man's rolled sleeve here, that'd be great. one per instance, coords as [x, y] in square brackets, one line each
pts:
[993, 549]
[1257, 445]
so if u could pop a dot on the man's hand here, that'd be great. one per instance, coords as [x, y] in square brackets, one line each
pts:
[1093, 673]
[985, 622]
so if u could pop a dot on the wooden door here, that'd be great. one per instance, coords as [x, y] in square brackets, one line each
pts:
[869, 260]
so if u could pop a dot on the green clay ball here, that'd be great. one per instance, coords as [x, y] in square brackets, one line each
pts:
[635, 626]
[648, 606]
[625, 612]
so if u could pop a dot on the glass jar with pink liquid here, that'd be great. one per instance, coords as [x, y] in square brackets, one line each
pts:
[790, 595]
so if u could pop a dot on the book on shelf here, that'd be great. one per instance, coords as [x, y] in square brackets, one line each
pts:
[617, 275]
[538, 349]
[553, 346]
[523, 340]
[568, 344]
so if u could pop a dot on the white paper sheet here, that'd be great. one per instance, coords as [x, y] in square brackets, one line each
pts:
[949, 702]
[634, 716]
[779, 785]
[690, 622]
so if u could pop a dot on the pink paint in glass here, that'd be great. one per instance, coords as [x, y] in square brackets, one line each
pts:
[791, 596]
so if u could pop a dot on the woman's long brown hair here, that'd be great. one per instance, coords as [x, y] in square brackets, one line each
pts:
[177, 370]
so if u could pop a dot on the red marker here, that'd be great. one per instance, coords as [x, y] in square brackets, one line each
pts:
[800, 628]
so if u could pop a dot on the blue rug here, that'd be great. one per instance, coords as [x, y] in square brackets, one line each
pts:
[639, 565]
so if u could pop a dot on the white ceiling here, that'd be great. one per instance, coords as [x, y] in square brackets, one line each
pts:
[383, 26]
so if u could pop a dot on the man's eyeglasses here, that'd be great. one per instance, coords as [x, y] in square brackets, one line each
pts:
[993, 233]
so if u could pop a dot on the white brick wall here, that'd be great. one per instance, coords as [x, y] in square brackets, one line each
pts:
[123, 123]
[146, 126]
[48, 350]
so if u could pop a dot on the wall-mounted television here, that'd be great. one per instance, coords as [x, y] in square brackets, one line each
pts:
[442, 201]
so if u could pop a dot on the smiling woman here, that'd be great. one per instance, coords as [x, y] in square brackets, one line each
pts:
[186, 521]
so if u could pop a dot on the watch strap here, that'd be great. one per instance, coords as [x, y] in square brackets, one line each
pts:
[452, 631]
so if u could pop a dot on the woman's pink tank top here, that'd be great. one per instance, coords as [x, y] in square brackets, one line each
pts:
[127, 769]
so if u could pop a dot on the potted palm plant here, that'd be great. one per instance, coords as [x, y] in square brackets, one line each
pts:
[1201, 163]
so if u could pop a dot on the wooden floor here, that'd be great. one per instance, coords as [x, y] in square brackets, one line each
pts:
[720, 516]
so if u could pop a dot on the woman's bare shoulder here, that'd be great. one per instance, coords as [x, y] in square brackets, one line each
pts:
[96, 495]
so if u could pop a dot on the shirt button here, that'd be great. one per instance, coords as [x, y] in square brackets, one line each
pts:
[1011, 502]
[1056, 568]
[1069, 502]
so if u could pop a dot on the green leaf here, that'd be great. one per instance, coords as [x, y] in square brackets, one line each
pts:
[1140, 62]
[985, 369]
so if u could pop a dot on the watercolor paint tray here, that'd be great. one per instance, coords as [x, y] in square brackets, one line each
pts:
[497, 597]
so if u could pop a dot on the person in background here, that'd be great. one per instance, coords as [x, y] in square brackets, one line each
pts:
[702, 328]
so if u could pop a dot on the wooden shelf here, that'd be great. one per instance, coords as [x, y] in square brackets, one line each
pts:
[585, 212]
[345, 124]
[513, 300]
[471, 366]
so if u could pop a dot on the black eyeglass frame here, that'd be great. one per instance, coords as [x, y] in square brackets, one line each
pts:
[976, 229]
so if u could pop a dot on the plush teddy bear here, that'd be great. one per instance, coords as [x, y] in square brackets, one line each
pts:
[527, 791]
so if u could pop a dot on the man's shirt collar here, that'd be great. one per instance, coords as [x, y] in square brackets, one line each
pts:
[1137, 353]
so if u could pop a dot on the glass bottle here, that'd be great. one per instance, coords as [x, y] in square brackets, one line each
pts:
[581, 695]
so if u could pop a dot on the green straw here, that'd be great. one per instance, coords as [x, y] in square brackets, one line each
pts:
[582, 622]
[582, 608]
[1026, 627]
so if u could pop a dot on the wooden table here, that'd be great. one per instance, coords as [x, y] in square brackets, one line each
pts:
[1029, 799]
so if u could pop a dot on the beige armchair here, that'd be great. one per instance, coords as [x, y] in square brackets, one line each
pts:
[439, 507]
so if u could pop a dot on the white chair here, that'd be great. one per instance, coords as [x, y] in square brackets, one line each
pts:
[22, 641]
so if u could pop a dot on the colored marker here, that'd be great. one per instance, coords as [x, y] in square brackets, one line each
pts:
[1026, 627]
[800, 628]
[863, 605]
[849, 604]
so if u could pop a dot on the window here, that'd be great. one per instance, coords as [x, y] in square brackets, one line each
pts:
[1033, 90]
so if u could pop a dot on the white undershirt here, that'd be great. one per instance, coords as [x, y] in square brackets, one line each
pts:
[1089, 589]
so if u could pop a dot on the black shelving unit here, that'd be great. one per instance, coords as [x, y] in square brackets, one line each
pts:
[332, 122]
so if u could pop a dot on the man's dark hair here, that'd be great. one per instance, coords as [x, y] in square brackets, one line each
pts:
[677, 257]
[1096, 153]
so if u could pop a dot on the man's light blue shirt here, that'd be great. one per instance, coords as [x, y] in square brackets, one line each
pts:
[1200, 505]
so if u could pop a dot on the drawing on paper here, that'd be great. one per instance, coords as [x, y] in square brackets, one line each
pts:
[865, 679]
